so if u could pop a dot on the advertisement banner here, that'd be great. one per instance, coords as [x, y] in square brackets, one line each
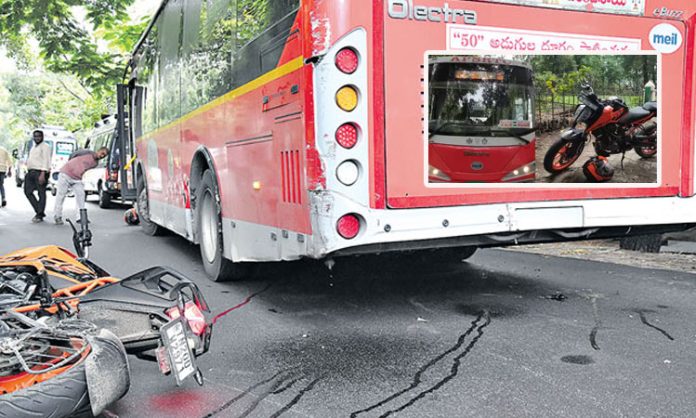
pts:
[481, 38]
[629, 7]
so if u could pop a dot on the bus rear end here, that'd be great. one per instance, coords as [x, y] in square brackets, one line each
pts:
[411, 181]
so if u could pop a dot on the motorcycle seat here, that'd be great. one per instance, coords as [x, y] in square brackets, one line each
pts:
[637, 113]
[650, 106]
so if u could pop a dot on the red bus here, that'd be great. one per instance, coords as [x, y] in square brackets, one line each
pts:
[273, 130]
[481, 127]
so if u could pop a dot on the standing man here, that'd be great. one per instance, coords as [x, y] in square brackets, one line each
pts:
[70, 178]
[5, 170]
[36, 180]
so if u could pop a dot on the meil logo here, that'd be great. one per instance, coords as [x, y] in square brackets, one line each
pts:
[672, 39]
[665, 38]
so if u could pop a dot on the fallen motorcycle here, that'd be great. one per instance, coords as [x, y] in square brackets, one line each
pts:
[613, 127]
[66, 326]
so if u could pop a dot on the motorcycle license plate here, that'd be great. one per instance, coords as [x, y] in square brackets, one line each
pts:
[181, 358]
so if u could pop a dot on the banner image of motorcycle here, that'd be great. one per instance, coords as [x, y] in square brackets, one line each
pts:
[544, 118]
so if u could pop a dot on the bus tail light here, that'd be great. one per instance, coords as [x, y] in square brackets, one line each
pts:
[348, 172]
[343, 128]
[347, 98]
[348, 226]
[347, 135]
[347, 60]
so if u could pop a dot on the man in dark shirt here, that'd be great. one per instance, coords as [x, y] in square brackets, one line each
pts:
[70, 178]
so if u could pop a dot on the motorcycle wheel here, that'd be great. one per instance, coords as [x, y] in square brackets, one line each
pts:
[646, 152]
[562, 155]
[60, 395]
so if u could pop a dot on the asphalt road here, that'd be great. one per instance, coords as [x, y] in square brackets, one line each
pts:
[505, 334]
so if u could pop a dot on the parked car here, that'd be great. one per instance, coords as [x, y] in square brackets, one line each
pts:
[105, 179]
[62, 142]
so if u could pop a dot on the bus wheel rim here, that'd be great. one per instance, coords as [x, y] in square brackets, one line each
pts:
[209, 236]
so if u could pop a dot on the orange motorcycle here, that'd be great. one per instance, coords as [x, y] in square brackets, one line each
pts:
[66, 327]
[613, 127]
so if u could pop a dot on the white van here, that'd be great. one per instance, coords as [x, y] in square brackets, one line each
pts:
[63, 144]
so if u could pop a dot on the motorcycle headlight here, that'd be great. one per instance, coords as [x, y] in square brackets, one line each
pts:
[520, 172]
[435, 174]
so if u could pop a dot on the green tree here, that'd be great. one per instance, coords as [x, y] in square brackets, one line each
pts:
[66, 46]
[70, 55]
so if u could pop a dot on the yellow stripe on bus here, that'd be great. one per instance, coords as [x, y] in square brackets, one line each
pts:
[270, 76]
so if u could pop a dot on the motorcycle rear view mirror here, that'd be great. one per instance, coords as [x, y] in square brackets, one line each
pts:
[585, 86]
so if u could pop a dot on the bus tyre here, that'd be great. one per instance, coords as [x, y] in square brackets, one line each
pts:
[143, 207]
[650, 243]
[209, 221]
[104, 198]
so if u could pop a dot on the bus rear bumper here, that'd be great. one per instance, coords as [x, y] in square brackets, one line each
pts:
[500, 224]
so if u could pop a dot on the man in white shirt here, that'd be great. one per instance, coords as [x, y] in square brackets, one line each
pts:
[36, 180]
[5, 171]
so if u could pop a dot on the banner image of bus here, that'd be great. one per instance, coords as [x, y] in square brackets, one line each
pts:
[299, 129]
[543, 118]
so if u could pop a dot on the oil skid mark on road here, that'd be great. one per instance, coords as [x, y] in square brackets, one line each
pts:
[280, 382]
[297, 398]
[243, 394]
[644, 319]
[580, 359]
[477, 325]
[277, 384]
[597, 325]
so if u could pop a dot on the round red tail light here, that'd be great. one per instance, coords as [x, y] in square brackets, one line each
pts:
[347, 135]
[348, 226]
[347, 60]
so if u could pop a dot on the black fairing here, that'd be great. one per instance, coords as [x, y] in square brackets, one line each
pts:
[134, 308]
[573, 135]
[156, 287]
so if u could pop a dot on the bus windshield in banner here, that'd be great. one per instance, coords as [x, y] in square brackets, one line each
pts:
[629, 7]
